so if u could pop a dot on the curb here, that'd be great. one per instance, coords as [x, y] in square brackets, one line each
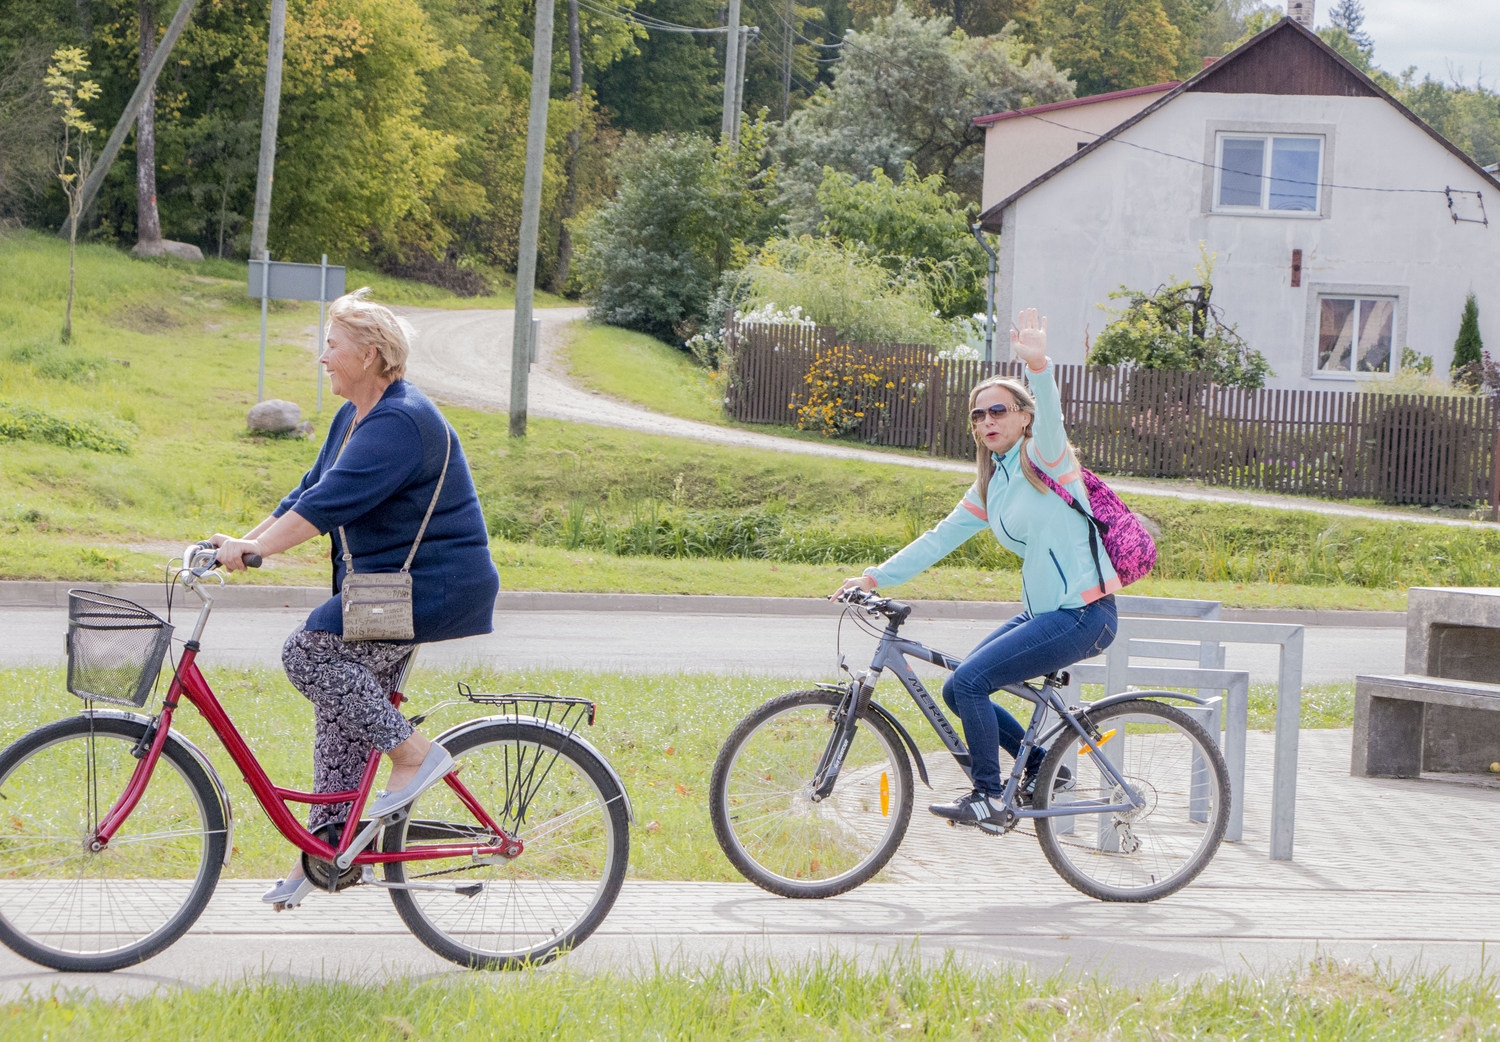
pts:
[20, 594]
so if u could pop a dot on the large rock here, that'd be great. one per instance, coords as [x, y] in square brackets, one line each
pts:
[275, 416]
[167, 248]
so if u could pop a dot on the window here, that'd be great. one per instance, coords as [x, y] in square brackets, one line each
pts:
[1268, 173]
[1355, 334]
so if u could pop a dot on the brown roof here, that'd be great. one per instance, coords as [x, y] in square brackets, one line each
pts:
[1287, 58]
[1073, 103]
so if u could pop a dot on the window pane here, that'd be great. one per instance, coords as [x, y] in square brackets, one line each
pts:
[1294, 173]
[1335, 334]
[1244, 161]
[1376, 319]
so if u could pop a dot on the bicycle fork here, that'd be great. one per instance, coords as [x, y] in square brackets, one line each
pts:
[846, 722]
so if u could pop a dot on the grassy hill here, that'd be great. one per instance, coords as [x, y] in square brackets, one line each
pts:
[120, 448]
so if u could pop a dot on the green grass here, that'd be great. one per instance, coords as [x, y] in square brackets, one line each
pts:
[827, 998]
[661, 732]
[165, 362]
[642, 369]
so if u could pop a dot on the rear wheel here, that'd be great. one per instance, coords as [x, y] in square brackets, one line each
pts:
[555, 796]
[760, 798]
[1173, 765]
[66, 906]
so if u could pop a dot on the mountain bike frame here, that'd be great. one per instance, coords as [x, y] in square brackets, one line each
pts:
[188, 682]
[890, 654]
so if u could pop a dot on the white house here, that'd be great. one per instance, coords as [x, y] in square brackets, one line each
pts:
[1344, 227]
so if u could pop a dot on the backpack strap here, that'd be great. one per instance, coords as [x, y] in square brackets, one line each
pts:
[1097, 528]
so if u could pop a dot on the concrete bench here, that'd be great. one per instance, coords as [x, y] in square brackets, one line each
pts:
[1409, 723]
[1439, 715]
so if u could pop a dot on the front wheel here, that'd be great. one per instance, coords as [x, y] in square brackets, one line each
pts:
[69, 907]
[561, 801]
[760, 798]
[1175, 769]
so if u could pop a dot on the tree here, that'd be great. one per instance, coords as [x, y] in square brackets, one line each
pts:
[148, 220]
[1349, 15]
[686, 211]
[1108, 45]
[68, 92]
[913, 222]
[27, 132]
[1468, 348]
[907, 91]
[1178, 327]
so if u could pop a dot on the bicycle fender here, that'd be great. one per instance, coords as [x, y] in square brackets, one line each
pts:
[562, 732]
[197, 754]
[1128, 696]
[911, 745]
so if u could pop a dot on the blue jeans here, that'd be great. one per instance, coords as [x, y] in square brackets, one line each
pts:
[1025, 647]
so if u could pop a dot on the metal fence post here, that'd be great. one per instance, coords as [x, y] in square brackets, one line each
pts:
[265, 295]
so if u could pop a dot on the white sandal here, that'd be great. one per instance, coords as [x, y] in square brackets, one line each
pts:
[288, 893]
[434, 766]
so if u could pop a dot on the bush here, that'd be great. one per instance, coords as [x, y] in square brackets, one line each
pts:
[911, 222]
[444, 274]
[23, 423]
[842, 389]
[844, 286]
[686, 211]
[1178, 327]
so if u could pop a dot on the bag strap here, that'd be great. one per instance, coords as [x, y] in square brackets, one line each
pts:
[442, 476]
[1095, 525]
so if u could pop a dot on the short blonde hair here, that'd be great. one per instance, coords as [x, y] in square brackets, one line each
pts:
[374, 325]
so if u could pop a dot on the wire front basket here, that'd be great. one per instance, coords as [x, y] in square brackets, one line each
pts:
[115, 648]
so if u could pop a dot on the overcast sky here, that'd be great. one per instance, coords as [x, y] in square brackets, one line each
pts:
[1433, 35]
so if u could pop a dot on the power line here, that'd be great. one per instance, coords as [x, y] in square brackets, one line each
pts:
[1145, 148]
[645, 21]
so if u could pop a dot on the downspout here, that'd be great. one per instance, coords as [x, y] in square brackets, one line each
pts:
[989, 301]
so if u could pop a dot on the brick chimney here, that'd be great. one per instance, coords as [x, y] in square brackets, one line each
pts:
[1301, 11]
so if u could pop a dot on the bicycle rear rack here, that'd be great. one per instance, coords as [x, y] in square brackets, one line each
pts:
[551, 709]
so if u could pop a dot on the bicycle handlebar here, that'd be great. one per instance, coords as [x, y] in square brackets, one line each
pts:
[875, 605]
[204, 558]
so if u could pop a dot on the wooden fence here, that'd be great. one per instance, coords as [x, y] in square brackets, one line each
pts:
[1154, 423]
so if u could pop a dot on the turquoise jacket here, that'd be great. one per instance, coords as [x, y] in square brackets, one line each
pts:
[1052, 541]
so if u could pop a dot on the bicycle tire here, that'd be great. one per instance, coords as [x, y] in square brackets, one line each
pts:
[72, 909]
[1157, 850]
[563, 803]
[792, 846]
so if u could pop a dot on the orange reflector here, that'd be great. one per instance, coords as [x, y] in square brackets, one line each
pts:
[1103, 740]
[885, 795]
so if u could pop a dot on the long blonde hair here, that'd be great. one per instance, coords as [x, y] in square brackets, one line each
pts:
[1026, 403]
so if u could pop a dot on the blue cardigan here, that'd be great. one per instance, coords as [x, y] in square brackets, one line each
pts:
[379, 488]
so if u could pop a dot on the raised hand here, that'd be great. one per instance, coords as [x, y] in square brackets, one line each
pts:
[1029, 339]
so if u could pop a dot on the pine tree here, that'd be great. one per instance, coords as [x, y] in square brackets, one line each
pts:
[1468, 347]
[1349, 15]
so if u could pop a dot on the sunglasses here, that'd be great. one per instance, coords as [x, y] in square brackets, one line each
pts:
[995, 411]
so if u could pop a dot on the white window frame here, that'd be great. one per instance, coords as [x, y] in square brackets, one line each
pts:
[1268, 142]
[1319, 292]
[1214, 133]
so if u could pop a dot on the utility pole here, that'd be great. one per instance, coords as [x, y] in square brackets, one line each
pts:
[731, 118]
[747, 34]
[266, 170]
[786, 63]
[521, 348]
[143, 90]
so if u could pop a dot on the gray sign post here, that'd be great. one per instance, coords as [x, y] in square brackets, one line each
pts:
[278, 280]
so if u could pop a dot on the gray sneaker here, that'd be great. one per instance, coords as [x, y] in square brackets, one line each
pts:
[434, 767]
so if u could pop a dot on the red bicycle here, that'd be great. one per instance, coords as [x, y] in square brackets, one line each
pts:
[114, 827]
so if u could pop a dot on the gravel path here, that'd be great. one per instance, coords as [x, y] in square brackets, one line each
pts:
[463, 357]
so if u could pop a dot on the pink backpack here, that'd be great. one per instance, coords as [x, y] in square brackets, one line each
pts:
[1130, 547]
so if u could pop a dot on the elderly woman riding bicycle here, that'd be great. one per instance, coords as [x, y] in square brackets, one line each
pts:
[391, 472]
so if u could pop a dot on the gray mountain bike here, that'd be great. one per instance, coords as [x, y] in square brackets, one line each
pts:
[812, 792]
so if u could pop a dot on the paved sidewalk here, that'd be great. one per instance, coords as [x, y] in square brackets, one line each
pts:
[1400, 873]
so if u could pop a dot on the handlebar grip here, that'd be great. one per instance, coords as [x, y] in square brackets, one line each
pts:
[251, 560]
